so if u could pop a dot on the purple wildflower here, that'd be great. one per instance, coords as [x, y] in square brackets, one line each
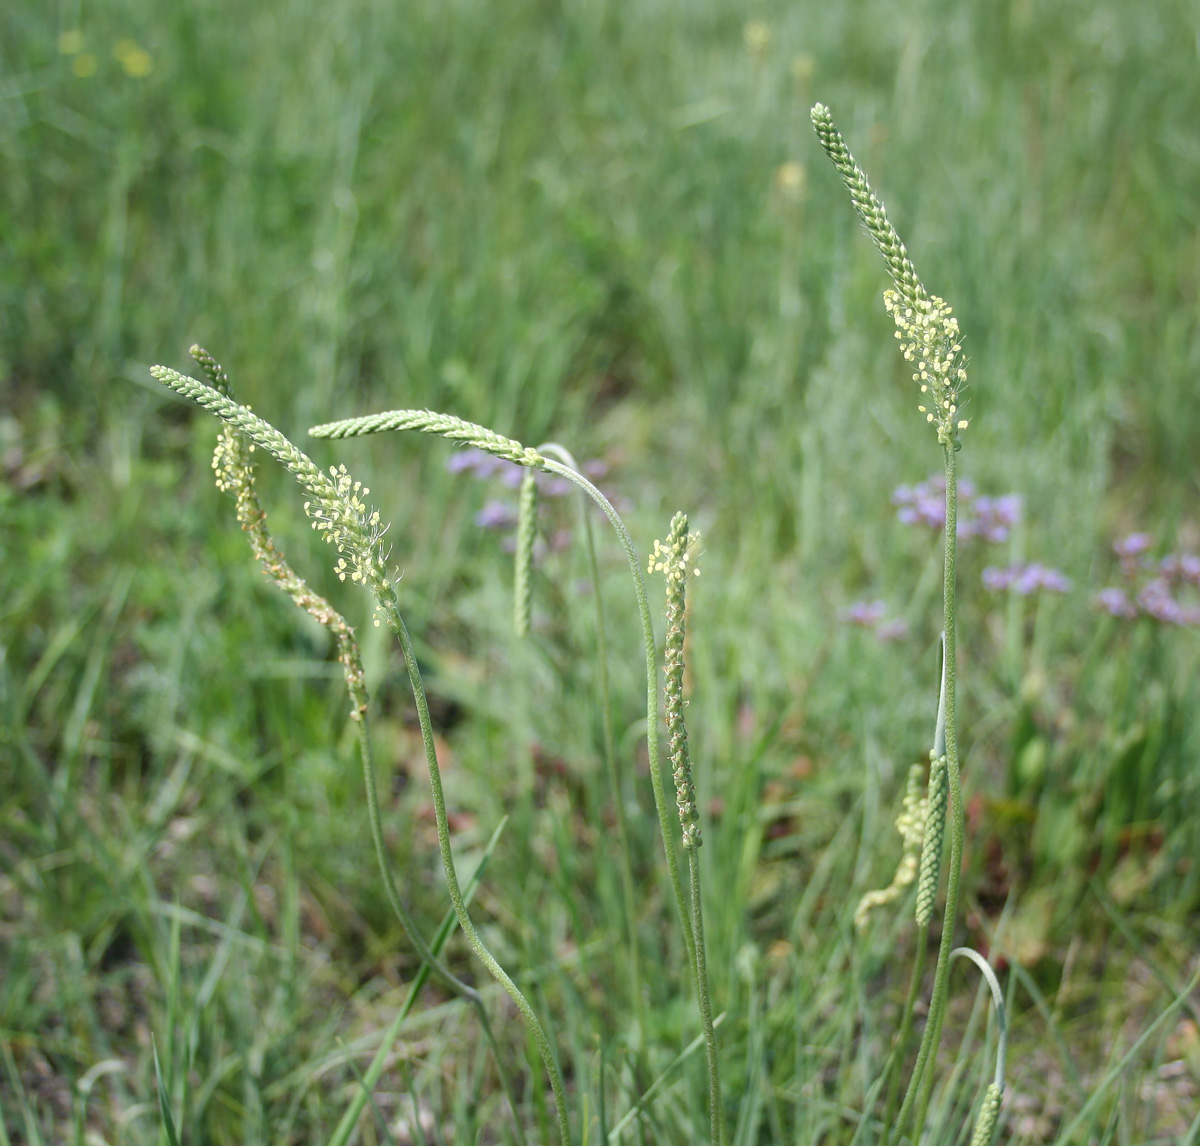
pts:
[461, 460]
[1116, 603]
[866, 614]
[894, 630]
[1037, 577]
[511, 474]
[1155, 601]
[996, 580]
[483, 465]
[1133, 546]
[551, 485]
[501, 515]
[479, 462]
[1026, 579]
[1181, 568]
[922, 504]
[496, 515]
[1151, 587]
[991, 518]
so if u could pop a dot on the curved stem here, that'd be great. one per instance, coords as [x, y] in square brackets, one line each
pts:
[349, 1119]
[389, 881]
[662, 805]
[921, 1083]
[387, 604]
[429, 958]
[896, 1062]
[610, 755]
[701, 971]
[997, 1004]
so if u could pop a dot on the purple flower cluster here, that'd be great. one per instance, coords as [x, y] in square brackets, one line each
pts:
[872, 615]
[486, 466]
[991, 518]
[496, 514]
[1152, 588]
[1026, 579]
[499, 514]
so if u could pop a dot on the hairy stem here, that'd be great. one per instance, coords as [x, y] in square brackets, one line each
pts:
[610, 754]
[661, 803]
[387, 604]
[921, 1083]
[702, 994]
[374, 1072]
[895, 1063]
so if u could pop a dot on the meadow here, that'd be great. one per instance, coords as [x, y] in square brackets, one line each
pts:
[609, 225]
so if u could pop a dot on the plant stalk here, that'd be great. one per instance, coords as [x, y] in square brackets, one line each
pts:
[921, 1083]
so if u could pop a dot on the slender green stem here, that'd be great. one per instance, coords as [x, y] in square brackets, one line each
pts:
[993, 983]
[387, 604]
[349, 1118]
[429, 957]
[895, 1062]
[715, 1108]
[674, 561]
[389, 880]
[661, 803]
[921, 1082]
[610, 754]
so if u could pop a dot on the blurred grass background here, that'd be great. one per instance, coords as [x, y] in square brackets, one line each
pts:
[609, 224]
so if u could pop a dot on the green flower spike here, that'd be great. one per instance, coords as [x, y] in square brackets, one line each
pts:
[929, 337]
[457, 429]
[989, 1113]
[930, 340]
[674, 562]
[926, 328]
[335, 499]
[934, 832]
[526, 536]
[903, 273]
[911, 826]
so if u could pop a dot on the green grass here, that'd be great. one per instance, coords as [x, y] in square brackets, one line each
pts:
[570, 221]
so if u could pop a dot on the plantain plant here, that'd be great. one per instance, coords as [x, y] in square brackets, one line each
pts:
[930, 341]
[335, 502]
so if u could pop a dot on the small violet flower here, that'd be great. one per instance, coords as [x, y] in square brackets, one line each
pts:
[872, 615]
[893, 630]
[1182, 568]
[483, 465]
[1152, 587]
[865, 614]
[503, 516]
[991, 518]
[1155, 600]
[497, 515]
[1026, 579]
[1115, 602]
[1133, 546]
